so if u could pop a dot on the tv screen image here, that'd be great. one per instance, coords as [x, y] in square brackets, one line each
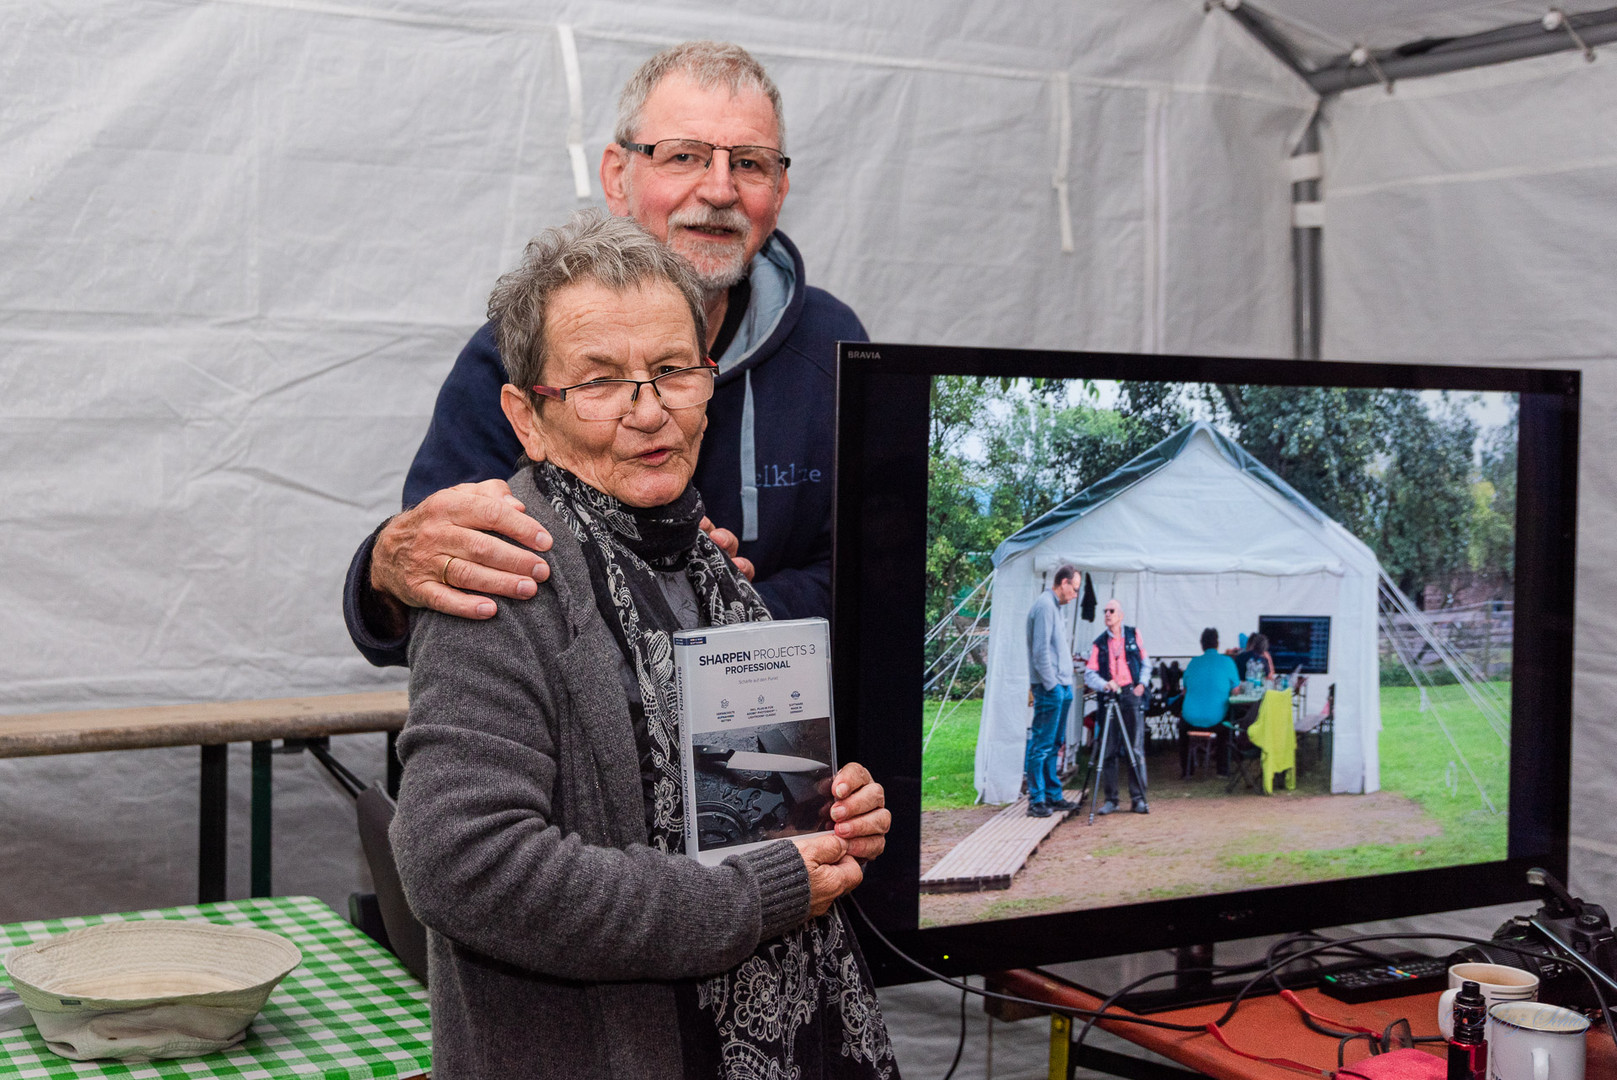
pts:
[1302, 643]
[1154, 501]
[1352, 537]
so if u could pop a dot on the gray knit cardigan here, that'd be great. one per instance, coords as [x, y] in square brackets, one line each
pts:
[553, 928]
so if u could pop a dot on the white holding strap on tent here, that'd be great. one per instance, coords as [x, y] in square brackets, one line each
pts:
[1194, 532]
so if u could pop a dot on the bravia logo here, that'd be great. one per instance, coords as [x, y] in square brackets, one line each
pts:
[863, 354]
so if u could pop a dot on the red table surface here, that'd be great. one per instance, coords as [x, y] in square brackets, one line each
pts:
[1270, 1027]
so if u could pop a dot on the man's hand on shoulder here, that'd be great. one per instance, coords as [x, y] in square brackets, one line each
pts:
[427, 555]
[728, 543]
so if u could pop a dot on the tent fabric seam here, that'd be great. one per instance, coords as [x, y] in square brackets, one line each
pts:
[1511, 172]
[575, 110]
[946, 67]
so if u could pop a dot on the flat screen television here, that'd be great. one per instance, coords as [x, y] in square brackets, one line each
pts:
[1390, 524]
[1299, 644]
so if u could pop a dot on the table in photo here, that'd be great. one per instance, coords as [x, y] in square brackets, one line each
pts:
[301, 723]
[1242, 698]
[1239, 715]
[349, 1010]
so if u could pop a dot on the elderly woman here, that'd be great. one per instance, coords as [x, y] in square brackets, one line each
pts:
[539, 832]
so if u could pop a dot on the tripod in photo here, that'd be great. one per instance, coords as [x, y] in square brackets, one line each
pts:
[1108, 731]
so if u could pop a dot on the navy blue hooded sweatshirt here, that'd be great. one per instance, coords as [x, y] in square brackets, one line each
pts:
[765, 466]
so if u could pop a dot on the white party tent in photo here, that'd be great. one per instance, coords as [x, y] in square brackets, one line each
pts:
[242, 241]
[1195, 532]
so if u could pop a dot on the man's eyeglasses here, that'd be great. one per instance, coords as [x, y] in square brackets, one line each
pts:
[613, 399]
[761, 165]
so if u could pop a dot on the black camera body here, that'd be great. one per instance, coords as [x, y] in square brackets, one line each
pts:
[1541, 943]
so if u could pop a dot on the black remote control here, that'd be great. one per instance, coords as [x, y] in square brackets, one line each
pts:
[1399, 979]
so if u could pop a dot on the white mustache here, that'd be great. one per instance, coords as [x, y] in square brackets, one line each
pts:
[712, 218]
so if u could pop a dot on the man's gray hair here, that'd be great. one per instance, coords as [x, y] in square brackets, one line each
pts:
[593, 246]
[710, 64]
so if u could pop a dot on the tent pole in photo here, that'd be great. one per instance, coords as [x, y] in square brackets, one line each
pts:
[1425, 684]
[959, 649]
[1482, 694]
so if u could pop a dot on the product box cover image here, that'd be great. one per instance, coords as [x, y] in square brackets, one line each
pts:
[755, 733]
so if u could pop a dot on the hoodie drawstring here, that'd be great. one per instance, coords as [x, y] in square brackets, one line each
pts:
[749, 468]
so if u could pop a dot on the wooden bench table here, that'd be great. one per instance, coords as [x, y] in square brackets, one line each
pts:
[302, 723]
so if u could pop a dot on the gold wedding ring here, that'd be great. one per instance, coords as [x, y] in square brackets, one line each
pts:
[443, 575]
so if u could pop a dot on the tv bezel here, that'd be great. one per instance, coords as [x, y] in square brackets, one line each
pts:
[883, 417]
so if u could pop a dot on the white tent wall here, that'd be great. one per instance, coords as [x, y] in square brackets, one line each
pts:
[244, 242]
[1469, 220]
[1197, 543]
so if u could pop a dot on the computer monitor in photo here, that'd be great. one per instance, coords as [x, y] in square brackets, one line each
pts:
[1319, 570]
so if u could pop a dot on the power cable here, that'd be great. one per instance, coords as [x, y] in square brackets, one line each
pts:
[960, 1046]
[1270, 968]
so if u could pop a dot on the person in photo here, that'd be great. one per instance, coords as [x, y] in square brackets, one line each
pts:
[1116, 672]
[540, 825]
[1049, 664]
[1209, 680]
[699, 158]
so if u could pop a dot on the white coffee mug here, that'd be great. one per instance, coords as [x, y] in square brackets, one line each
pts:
[1498, 982]
[1528, 1040]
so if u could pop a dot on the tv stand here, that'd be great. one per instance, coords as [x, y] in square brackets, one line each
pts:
[1190, 966]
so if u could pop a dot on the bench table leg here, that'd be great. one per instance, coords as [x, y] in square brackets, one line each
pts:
[262, 819]
[212, 831]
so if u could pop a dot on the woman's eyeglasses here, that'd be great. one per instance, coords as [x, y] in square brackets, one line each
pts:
[613, 399]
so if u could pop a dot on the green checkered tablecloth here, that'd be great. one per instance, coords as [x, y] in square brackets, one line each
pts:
[350, 1010]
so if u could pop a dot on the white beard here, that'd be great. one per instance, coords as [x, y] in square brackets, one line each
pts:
[717, 266]
[718, 275]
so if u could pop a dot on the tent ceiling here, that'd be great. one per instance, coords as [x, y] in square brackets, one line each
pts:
[1319, 34]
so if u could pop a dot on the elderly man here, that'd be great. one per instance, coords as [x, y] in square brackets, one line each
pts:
[1049, 664]
[700, 162]
[1116, 671]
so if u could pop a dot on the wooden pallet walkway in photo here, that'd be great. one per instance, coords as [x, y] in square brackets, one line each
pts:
[991, 856]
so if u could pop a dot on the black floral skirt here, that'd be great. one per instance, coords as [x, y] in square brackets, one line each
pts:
[802, 1007]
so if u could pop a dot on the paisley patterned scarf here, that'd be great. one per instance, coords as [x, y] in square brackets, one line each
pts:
[624, 547]
[802, 1005]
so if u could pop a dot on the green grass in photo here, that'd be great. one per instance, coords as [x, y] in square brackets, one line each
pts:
[1419, 761]
[1031, 905]
[949, 762]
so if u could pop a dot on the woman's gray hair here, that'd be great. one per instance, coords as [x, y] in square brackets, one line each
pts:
[710, 64]
[593, 246]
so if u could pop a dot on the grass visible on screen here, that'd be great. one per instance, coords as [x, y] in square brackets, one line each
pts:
[949, 763]
[1418, 761]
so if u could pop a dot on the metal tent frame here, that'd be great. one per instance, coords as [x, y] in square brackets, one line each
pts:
[1554, 32]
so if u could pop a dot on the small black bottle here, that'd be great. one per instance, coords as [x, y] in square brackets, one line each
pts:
[1468, 1050]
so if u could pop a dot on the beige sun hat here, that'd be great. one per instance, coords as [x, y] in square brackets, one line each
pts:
[148, 989]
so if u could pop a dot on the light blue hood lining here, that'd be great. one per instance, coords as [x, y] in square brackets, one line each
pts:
[773, 277]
